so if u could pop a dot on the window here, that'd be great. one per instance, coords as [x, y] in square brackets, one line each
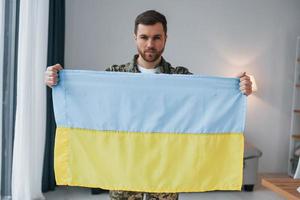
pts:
[9, 21]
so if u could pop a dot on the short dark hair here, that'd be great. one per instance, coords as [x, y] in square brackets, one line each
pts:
[150, 17]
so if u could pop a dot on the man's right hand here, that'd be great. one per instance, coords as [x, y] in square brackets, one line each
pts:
[51, 75]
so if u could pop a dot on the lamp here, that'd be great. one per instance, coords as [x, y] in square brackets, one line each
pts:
[254, 86]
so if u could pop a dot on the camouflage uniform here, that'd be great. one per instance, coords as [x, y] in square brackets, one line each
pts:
[165, 68]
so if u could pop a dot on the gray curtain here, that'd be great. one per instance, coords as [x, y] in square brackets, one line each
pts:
[56, 48]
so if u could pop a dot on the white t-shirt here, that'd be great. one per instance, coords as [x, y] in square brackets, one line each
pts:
[149, 71]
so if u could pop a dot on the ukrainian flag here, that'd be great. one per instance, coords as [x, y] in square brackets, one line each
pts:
[152, 133]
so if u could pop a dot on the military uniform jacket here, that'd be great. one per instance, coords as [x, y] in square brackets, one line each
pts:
[163, 66]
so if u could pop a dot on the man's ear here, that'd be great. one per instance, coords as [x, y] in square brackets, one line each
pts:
[134, 36]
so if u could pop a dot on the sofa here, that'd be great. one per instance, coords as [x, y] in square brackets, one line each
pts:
[251, 156]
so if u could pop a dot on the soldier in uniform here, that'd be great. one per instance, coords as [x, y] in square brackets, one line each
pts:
[150, 34]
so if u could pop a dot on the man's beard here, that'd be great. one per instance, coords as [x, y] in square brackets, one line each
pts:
[153, 56]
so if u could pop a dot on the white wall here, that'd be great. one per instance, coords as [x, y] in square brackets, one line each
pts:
[210, 37]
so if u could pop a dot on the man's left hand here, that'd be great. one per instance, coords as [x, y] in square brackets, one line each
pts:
[245, 83]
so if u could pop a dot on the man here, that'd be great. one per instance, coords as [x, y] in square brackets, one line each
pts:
[150, 34]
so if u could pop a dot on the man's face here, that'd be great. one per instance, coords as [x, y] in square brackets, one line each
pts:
[150, 41]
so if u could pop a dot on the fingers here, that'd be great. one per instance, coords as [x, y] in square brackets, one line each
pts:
[54, 68]
[245, 84]
[246, 90]
[51, 81]
[245, 78]
[51, 75]
[57, 67]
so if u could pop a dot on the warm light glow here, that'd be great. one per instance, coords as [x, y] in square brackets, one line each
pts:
[254, 86]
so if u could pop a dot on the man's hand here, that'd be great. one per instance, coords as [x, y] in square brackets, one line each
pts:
[245, 83]
[51, 75]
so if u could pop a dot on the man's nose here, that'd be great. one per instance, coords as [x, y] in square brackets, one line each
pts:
[150, 43]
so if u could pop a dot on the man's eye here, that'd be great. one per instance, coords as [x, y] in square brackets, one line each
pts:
[157, 38]
[143, 37]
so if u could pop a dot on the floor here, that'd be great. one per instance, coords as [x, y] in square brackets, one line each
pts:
[74, 193]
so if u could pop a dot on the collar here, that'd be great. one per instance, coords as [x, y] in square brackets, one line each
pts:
[163, 66]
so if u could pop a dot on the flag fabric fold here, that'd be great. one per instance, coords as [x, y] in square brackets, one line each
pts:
[151, 133]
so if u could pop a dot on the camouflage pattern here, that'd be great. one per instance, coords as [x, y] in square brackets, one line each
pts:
[128, 195]
[162, 196]
[125, 195]
[165, 68]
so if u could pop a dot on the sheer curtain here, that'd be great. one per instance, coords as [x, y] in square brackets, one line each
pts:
[31, 101]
